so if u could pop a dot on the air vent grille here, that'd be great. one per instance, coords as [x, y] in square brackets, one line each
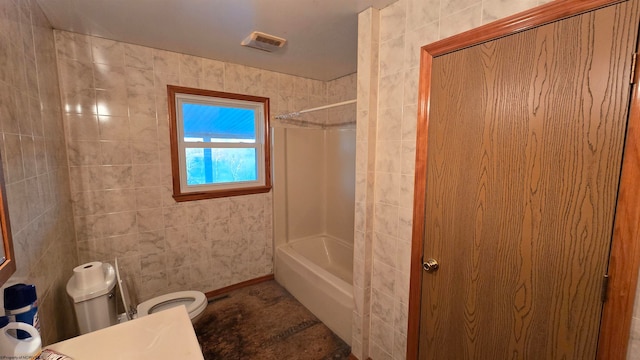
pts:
[269, 41]
[262, 41]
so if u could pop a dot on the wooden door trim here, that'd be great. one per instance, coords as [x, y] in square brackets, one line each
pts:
[550, 12]
[625, 250]
[624, 259]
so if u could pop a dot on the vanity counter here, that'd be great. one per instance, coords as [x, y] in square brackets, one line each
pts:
[167, 334]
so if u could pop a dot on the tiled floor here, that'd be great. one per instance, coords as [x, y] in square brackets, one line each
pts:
[264, 322]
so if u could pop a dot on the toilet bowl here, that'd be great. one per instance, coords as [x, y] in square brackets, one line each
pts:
[194, 301]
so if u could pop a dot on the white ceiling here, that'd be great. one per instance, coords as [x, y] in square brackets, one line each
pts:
[321, 34]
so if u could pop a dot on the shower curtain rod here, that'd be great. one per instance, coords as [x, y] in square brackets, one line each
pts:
[298, 113]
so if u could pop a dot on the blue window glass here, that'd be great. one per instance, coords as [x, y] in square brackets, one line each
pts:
[210, 123]
[220, 165]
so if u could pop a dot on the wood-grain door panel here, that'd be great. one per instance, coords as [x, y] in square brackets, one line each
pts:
[524, 150]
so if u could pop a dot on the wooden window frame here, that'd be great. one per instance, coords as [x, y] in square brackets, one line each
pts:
[8, 266]
[179, 194]
[625, 249]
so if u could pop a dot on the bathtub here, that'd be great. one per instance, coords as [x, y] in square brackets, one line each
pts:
[318, 271]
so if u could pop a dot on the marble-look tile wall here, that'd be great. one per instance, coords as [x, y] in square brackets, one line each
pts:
[339, 90]
[35, 163]
[366, 129]
[404, 27]
[115, 110]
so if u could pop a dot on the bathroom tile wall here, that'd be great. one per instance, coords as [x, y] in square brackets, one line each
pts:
[404, 27]
[339, 90]
[115, 112]
[366, 128]
[34, 161]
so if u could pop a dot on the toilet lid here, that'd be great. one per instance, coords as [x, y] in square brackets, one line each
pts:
[195, 301]
[124, 293]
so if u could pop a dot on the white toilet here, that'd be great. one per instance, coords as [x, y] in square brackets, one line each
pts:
[194, 301]
[92, 290]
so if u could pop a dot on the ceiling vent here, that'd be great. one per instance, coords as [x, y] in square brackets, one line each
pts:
[262, 41]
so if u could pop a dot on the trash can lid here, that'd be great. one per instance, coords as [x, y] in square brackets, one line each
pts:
[19, 295]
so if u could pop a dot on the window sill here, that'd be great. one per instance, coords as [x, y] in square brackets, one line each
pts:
[192, 196]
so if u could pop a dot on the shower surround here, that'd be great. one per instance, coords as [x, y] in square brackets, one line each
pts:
[314, 192]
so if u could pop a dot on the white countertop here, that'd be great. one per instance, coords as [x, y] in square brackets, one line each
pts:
[167, 334]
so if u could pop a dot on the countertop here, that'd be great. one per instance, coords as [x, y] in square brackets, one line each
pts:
[167, 334]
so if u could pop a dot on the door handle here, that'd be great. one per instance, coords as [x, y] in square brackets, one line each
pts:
[431, 265]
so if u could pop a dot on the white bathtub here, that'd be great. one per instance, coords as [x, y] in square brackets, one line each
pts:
[318, 271]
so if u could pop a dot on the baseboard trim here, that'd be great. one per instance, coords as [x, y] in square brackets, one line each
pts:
[237, 286]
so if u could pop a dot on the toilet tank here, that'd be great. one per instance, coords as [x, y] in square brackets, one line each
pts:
[94, 302]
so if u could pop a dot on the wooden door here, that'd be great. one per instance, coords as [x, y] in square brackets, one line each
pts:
[524, 152]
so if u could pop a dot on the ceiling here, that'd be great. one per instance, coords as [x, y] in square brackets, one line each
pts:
[321, 34]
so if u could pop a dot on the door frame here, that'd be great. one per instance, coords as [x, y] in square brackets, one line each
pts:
[624, 259]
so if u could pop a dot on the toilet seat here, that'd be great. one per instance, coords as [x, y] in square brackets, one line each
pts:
[195, 301]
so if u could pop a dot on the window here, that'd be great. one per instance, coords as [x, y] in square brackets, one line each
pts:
[219, 144]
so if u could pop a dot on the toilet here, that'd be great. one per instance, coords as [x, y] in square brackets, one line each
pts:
[92, 289]
[194, 301]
